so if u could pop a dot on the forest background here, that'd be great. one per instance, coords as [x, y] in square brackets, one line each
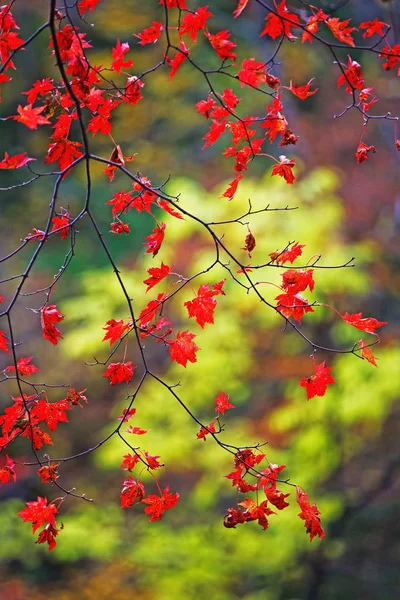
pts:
[343, 448]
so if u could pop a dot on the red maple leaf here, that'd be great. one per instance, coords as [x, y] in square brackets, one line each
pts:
[15, 162]
[24, 368]
[119, 372]
[85, 5]
[136, 430]
[240, 8]
[115, 330]
[361, 153]
[152, 461]
[118, 54]
[275, 121]
[217, 128]
[61, 223]
[7, 472]
[155, 239]
[38, 513]
[157, 274]
[284, 169]
[353, 76]
[249, 243]
[120, 202]
[48, 473]
[39, 88]
[204, 431]
[31, 116]
[316, 385]
[295, 281]
[119, 227]
[391, 56]
[202, 307]
[252, 72]
[132, 492]
[149, 312]
[293, 305]
[232, 188]
[3, 342]
[174, 4]
[367, 324]
[222, 45]
[309, 514]
[288, 255]
[373, 27]
[50, 315]
[150, 35]
[64, 151]
[133, 92]
[129, 462]
[165, 205]
[312, 26]
[275, 25]
[340, 30]
[222, 403]
[367, 353]
[303, 91]
[180, 57]
[157, 505]
[183, 348]
[192, 23]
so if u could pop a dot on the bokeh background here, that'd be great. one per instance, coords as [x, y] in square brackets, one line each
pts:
[343, 448]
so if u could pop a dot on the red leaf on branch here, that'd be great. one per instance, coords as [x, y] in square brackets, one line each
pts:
[240, 8]
[118, 54]
[204, 431]
[316, 385]
[150, 35]
[129, 462]
[24, 368]
[353, 76]
[157, 505]
[202, 307]
[155, 239]
[222, 403]
[50, 315]
[361, 153]
[157, 274]
[293, 305]
[284, 169]
[115, 330]
[38, 512]
[275, 25]
[249, 243]
[183, 348]
[222, 45]
[15, 162]
[367, 324]
[132, 492]
[179, 59]
[31, 116]
[309, 514]
[288, 255]
[7, 472]
[48, 473]
[340, 30]
[3, 342]
[367, 353]
[39, 88]
[192, 23]
[373, 27]
[303, 91]
[120, 372]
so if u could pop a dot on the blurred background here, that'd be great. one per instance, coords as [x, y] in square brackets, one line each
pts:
[343, 448]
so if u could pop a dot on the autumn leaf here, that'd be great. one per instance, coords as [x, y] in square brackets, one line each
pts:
[303, 91]
[204, 431]
[192, 23]
[120, 372]
[129, 462]
[353, 76]
[157, 505]
[38, 512]
[178, 60]
[340, 30]
[3, 342]
[132, 492]
[275, 25]
[367, 353]
[48, 473]
[152, 461]
[316, 385]
[361, 153]
[50, 315]
[7, 472]
[15, 162]
[222, 45]
[118, 54]
[373, 27]
[295, 281]
[222, 403]
[309, 514]
[240, 8]
[136, 430]
[202, 307]
[183, 349]
[24, 368]
[39, 88]
[367, 324]
[155, 239]
[293, 305]
[288, 255]
[157, 274]
[31, 116]
[284, 169]
[249, 243]
[150, 35]
[115, 330]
